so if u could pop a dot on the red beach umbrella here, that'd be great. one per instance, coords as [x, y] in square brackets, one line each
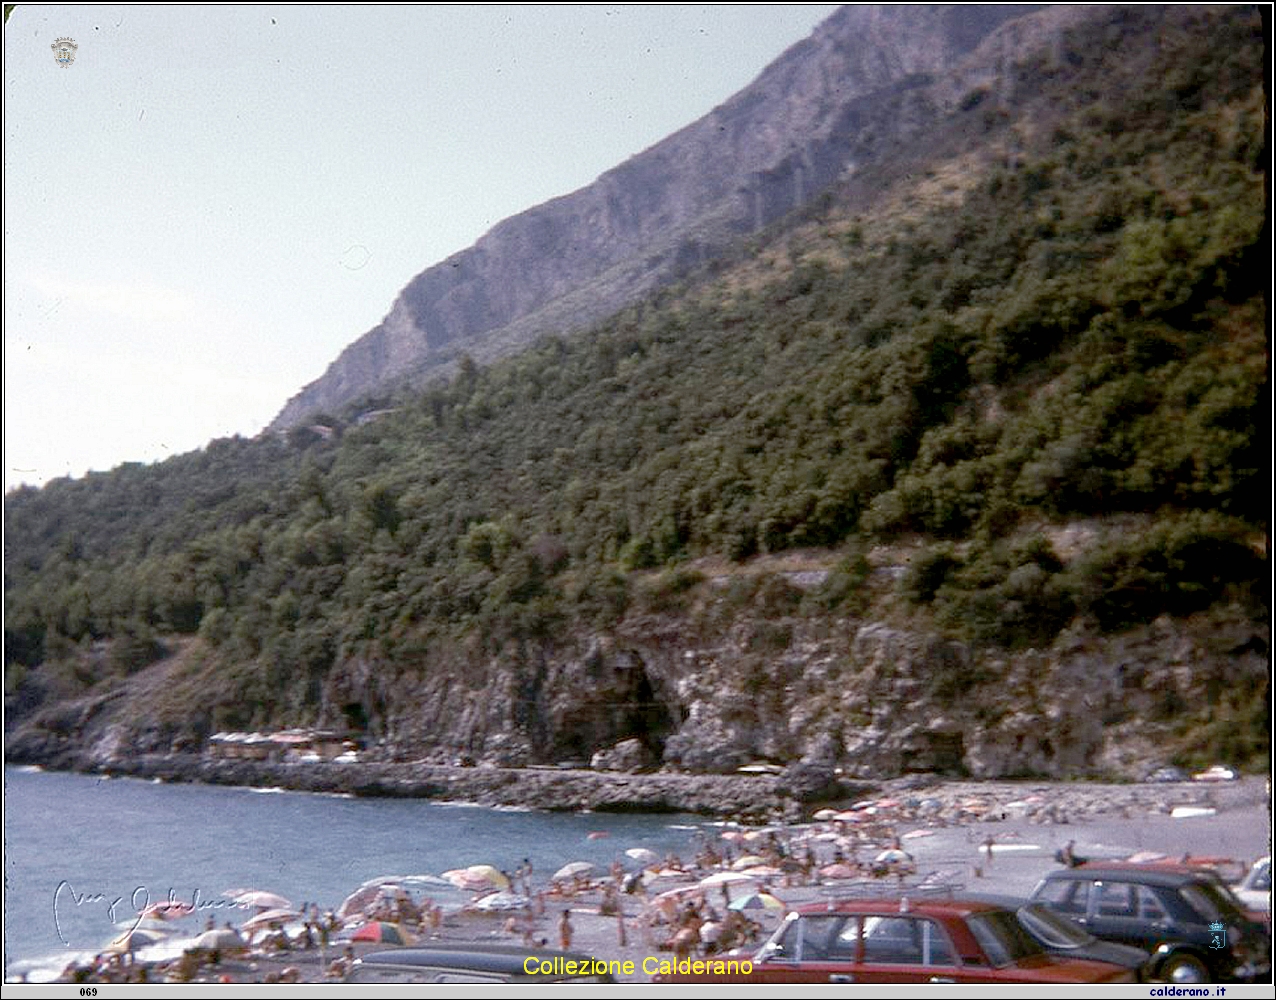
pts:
[382, 932]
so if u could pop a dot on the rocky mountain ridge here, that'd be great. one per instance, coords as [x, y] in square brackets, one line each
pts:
[867, 80]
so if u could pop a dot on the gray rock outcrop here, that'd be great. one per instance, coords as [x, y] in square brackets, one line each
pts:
[866, 78]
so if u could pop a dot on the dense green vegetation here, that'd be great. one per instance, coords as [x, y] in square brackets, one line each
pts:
[1075, 332]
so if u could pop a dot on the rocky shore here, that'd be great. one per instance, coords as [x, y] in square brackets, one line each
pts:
[745, 798]
[751, 797]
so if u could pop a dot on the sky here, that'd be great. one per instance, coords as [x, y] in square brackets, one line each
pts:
[209, 203]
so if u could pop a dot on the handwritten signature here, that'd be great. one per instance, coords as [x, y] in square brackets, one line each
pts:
[138, 903]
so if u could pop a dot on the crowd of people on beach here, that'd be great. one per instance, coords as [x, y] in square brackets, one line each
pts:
[725, 897]
[688, 919]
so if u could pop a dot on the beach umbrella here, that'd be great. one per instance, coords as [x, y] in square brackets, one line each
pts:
[675, 894]
[757, 901]
[146, 924]
[218, 939]
[725, 878]
[892, 856]
[433, 881]
[643, 855]
[168, 910]
[762, 871]
[133, 940]
[376, 883]
[362, 897]
[492, 874]
[282, 915]
[748, 861]
[476, 878]
[261, 900]
[668, 873]
[499, 902]
[572, 869]
[381, 932]
[839, 870]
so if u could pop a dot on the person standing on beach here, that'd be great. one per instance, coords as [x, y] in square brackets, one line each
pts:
[324, 931]
[565, 931]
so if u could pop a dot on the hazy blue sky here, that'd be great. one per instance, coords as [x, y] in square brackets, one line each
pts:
[210, 203]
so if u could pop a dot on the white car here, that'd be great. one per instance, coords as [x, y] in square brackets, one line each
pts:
[1219, 772]
[1255, 889]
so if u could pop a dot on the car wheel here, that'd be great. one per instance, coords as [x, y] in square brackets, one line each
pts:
[1184, 969]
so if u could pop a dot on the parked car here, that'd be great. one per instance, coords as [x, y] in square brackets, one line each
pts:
[477, 963]
[1216, 869]
[1255, 889]
[893, 940]
[1185, 918]
[1061, 936]
[1218, 772]
[1167, 774]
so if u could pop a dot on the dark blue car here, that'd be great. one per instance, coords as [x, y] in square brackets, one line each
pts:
[1186, 919]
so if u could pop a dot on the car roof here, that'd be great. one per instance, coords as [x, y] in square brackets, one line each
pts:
[499, 959]
[903, 903]
[1147, 874]
[1005, 902]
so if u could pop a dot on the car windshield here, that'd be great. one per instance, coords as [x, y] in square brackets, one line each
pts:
[783, 943]
[1002, 938]
[1211, 901]
[1259, 878]
[1051, 929]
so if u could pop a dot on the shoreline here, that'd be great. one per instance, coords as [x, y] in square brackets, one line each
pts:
[958, 854]
[977, 836]
[745, 798]
[749, 799]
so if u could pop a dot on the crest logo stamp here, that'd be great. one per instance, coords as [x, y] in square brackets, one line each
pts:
[64, 50]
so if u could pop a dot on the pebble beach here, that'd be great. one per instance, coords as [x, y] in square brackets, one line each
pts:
[964, 836]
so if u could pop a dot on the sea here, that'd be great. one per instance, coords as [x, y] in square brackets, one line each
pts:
[85, 854]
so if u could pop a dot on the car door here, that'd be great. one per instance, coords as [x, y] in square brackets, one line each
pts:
[907, 949]
[1068, 896]
[811, 948]
[1127, 912]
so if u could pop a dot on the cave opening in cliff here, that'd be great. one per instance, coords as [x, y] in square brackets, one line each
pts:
[650, 721]
[355, 716]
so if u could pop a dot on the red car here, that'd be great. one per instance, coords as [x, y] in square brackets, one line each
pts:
[893, 940]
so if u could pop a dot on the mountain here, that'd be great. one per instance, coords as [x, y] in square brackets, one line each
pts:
[867, 79]
[964, 465]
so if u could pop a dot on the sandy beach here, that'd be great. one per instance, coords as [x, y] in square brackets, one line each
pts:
[974, 837]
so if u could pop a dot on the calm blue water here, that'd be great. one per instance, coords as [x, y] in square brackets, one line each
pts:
[76, 844]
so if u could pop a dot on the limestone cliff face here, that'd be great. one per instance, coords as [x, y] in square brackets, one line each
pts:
[873, 699]
[827, 105]
[711, 687]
